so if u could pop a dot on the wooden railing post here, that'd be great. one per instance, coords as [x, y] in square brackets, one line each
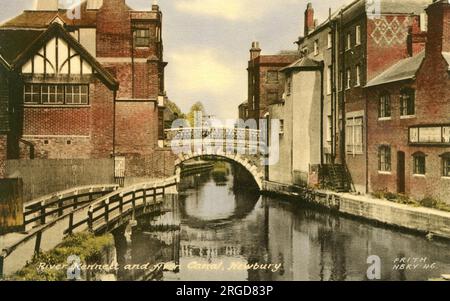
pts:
[121, 203]
[37, 245]
[60, 207]
[90, 217]
[145, 196]
[1, 266]
[70, 230]
[154, 195]
[42, 213]
[133, 200]
[107, 212]
[75, 203]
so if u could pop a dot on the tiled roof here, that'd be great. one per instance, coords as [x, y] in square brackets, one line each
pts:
[14, 41]
[403, 70]
[42, 19]
[303, 63]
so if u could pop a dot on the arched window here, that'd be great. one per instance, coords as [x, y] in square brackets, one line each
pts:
[419, 160]
[407, 102]
[384, 158]
[445, 164]
[384, 106]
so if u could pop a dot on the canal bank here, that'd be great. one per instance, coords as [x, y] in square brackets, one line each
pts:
[418, 219]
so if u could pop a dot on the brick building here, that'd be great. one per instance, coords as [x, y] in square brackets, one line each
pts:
[408, 118]
[89, 81]
[265, 83]
[355, 44]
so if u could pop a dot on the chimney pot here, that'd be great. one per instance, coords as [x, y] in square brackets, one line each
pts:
[309, 19]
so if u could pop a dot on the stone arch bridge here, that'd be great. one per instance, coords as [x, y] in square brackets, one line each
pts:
[245, 147]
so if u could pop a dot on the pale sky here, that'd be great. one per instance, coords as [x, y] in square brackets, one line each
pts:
[206, 43]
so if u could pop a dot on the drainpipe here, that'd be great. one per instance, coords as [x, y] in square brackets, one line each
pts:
[342, 102]
[322, 96]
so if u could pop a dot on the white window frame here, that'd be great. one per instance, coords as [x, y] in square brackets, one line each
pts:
[358, 75]
[316, 47]
[358, 35]
[348, 79]
[330, 40]
[354, 135]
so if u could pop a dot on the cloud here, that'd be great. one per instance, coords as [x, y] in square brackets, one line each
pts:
[232, 10]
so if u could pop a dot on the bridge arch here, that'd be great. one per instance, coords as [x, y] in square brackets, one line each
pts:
[252, 168]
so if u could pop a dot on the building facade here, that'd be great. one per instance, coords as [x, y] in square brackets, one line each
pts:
[265, 83]
[408, 118]
[354, 45]
[89, 81]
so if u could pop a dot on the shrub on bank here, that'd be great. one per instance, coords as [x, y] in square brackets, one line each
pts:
[427, 202]
[87, 246]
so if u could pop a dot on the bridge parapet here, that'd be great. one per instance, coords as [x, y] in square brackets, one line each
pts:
[216, 140]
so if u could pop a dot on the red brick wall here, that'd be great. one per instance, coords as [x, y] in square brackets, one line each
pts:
[72, 132]
[136, 127]
[113, 29]
[385, 49]
[259, 68]
[432, 107]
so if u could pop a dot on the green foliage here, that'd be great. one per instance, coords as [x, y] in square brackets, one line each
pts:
[427, 202]
[175, 109]
[196, 107]
[87, 246]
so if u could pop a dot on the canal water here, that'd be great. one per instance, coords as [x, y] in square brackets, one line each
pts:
[216, 230]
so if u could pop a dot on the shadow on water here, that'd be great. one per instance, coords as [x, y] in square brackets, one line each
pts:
[216, 229]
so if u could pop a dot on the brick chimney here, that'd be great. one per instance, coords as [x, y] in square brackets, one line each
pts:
[438, 40]
[255, 51]
[114, 29]
[48, 5]
[309, 19]
[417, 37]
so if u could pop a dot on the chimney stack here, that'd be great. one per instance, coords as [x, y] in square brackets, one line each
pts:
[155, 6]
[47, 5]
[255, 51]
[309, 19]
[438, 40]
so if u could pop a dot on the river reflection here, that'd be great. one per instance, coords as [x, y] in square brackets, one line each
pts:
[215, 231]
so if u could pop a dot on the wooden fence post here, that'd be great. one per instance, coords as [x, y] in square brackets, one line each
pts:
[60, 207]
[107, 212]
[75, 203]
[37, 245]
[70, 230]
[1, 266]
[121, 203]
[42, 212]
[90, 216]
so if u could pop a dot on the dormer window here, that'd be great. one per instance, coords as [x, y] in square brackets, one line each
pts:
[142, 38]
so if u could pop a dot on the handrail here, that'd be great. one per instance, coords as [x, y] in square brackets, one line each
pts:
[104, 202]
[60, 201]
[104, 206]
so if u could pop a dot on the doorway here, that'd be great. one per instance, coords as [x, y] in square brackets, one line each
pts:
[401, 172]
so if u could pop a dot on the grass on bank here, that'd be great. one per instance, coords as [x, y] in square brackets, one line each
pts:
[427, 202]
[87, 246]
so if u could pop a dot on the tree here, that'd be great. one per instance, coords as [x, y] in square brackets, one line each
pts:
[196, 107]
